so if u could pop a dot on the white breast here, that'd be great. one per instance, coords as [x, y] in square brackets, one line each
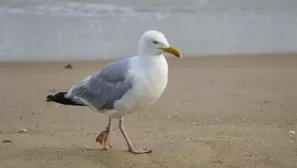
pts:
[151, 81]
[150, 78]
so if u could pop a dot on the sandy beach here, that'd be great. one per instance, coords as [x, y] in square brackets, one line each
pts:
[225, 112]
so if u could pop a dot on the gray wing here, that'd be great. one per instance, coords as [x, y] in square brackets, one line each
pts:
[101, 90]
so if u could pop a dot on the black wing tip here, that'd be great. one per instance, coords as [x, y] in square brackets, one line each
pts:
[60, 98]
[49, 98]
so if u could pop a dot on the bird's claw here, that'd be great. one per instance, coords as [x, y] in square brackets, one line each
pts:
[104, 139]
[140, 151]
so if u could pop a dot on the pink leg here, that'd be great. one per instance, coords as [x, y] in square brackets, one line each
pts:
[132, 149]
[104, 137]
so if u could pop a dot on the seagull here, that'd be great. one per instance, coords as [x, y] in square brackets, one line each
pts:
[125, 86]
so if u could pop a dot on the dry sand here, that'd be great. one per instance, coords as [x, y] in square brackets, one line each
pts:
[216, 112]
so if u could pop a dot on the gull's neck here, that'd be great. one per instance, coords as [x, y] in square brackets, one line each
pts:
[147, 57]
[152, 58]
[155, 63]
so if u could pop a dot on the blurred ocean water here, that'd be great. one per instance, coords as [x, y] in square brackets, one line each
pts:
[101, 29]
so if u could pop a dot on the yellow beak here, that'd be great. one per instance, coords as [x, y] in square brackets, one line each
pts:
[172, 50]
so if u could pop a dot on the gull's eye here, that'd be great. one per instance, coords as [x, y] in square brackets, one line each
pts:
[155, 42]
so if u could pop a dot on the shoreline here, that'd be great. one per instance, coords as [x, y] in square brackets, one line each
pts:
[215, 56]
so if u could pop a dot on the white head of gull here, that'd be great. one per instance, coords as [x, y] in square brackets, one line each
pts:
[125, 86]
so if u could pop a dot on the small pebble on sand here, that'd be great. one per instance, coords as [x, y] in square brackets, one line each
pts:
[6, 141]
[23, 130]
[291, 132]
[69, 66]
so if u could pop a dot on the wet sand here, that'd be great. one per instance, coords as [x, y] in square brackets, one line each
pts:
[216, 112]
